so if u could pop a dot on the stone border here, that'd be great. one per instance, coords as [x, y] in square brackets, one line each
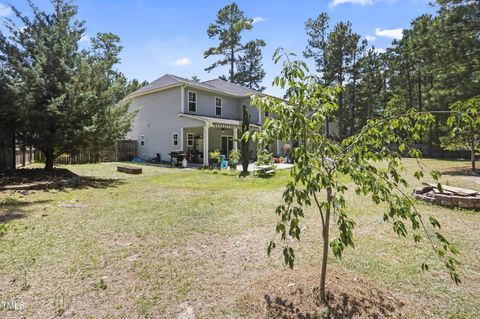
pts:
[467, 202]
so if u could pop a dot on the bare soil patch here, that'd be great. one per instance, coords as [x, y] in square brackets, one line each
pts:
[30, 179]
[295, 294]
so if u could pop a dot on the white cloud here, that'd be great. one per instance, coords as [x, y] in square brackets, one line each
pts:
[380, 50]
[370, 38]
[5, 11]
[85, 38]
[258, 19]
[389, 33]
[182, 62]
[360, 2]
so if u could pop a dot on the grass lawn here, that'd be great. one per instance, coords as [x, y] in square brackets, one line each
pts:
[189, 243]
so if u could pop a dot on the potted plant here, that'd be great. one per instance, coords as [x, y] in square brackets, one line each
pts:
[233, 159]
[213, 158]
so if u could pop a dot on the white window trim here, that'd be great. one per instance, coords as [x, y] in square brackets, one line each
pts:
[173, 139]
[192, 139]
[221, 106]
[142, 139]
[196, 102]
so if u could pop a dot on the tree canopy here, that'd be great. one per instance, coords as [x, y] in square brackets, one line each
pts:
[66, 98]
[433, 65]
[244, 69]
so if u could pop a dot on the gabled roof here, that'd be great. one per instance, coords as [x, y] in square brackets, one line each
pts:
[231, 88]
[217, 86]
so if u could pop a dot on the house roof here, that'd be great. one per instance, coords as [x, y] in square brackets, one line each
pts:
[231, 88]
[217, 85]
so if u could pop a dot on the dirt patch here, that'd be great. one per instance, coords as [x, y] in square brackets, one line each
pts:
[26, 180]
[295, 294]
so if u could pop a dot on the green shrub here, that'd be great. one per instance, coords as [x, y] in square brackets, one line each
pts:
[264, 158]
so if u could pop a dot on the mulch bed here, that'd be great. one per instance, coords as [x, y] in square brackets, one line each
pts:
[295, 294]
[33, 177]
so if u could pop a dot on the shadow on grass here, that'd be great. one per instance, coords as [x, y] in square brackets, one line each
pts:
[340, 306]
[31, 179]
[11, 209]
[460, 171]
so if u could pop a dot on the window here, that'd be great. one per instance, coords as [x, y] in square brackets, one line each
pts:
[142, 140]
[190, 139]
[175, 139]
[192, 101]
[218, 106]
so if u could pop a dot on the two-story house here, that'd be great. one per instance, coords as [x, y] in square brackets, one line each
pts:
[176, 114]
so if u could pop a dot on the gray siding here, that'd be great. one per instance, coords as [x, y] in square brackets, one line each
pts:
[206, 104]
[157, 119]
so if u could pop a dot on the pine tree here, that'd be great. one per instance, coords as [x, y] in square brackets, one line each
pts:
[317, 31]
[250, 72]
[228, 28]
[68, 98]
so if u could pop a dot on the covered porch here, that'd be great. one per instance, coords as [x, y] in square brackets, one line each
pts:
[213, 134]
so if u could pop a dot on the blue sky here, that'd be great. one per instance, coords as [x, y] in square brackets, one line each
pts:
[161, 36]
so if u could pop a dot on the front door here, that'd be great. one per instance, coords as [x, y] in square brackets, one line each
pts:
[227, 144]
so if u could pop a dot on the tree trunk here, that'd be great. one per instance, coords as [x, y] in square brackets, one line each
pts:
[14, 150]
[232, 63]
[325, 235]
[472, 155]
[409, 81]
[49, 158]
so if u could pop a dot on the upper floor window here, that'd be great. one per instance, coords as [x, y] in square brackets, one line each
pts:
[175, 139]
[218, 106]
[142, 140]
[192, 101]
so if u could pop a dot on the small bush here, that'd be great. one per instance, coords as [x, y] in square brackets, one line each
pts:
[264, 158]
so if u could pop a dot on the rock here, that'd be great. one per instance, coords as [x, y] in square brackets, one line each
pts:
[186, 312]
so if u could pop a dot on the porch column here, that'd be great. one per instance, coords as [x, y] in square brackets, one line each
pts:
[181, 140]
[235, 137]
[205, 145]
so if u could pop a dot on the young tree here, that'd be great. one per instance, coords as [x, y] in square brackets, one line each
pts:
[464, 123]
[250, 72]
[67, 97]
[228, 27]
[245, 143]
[317, 177]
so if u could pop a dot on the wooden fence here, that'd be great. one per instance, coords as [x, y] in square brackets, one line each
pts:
[124, 150]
